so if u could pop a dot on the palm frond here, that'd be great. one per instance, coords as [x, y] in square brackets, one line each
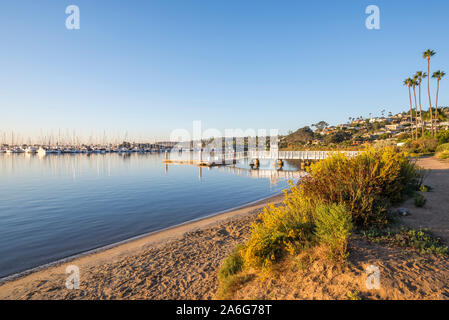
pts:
[428, 53]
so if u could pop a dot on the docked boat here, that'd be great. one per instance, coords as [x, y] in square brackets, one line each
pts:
[42, 151]
[30, 149]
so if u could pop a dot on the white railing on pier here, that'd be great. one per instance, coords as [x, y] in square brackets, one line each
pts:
[218, 157]
[311, 155]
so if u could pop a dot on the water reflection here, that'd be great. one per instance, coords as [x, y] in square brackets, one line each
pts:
[105, 164]
[59, 205]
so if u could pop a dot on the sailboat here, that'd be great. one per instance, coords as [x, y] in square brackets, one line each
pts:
[30, 149]
[42, 151]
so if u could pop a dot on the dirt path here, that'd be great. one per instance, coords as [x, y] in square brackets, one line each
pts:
[435, 214]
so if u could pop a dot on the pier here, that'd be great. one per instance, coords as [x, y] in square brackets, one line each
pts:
[213, 158]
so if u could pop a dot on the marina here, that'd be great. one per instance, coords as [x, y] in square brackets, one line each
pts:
[50, 149]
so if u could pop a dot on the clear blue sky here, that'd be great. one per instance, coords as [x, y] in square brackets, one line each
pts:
[152, 66]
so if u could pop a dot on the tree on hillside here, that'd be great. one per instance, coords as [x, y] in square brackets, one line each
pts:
[408, 82]
[377, 126]
[302, 135]
[414, 84]
[337, 137]
[427, 55]
[419, 76]
[321, 125]
[437, 75]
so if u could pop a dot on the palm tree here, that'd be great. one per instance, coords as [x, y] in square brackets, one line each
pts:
[427, 55]
[437, 75]
[419, 76]
[408, 82]
[414, 84]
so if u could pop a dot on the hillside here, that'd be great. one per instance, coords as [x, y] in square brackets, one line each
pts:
[358, 131]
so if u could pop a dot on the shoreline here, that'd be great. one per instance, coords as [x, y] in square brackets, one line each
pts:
[132, 246]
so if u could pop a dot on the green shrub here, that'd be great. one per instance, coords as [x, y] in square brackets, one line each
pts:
[443, 155]
[230, 274]
[421, 240]
[443, 150]
[442, 147]
[232, 264]
[367, 184]
[443, 136]
[423, 145]
[403, 137]
[333, 227]
[419, 200]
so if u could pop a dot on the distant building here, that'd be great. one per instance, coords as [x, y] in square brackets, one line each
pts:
[445, 125]
[394, 127]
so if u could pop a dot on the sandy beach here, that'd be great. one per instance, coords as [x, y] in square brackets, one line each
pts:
[177, 263]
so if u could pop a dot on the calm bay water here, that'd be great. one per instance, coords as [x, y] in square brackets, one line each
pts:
[56, 206]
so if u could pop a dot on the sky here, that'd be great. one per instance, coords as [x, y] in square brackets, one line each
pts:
[141, 69]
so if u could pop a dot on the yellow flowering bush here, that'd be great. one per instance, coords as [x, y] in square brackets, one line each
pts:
[338, 192]
[282, 229]
[367, 184]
